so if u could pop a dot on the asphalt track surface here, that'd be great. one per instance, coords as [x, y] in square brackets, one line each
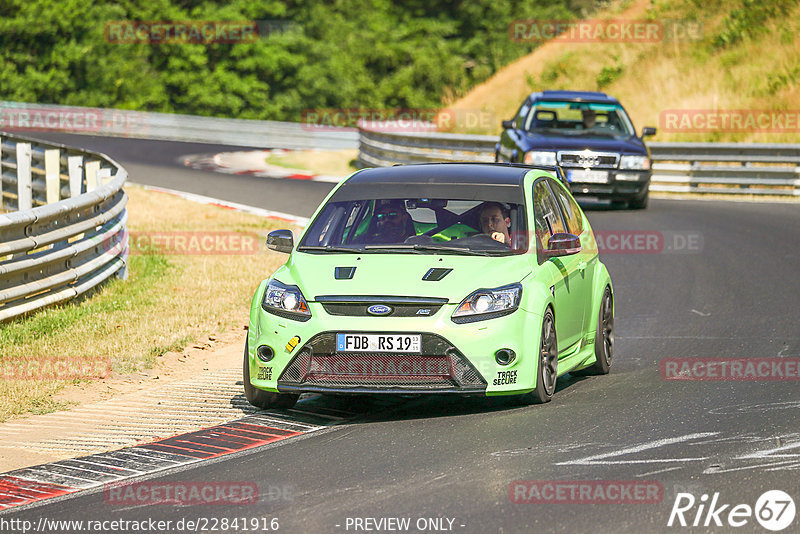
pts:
[159, 163]
[734, 295]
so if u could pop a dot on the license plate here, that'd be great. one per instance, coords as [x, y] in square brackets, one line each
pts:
[590, 177]
[378, 343]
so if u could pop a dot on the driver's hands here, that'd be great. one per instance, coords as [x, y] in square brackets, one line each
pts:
[498, 236]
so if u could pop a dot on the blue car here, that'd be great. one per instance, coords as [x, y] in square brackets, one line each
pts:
[590, 136]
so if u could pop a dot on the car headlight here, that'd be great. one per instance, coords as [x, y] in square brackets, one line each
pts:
[634, 162]
[285, 301]
[540, 158]
[488, 304]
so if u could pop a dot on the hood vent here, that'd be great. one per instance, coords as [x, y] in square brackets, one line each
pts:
[344, 273]
[434, 275]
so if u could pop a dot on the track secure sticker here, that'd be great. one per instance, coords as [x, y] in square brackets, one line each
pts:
[505, 377]
[264, 373]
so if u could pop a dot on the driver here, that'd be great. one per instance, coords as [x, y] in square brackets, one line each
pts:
[392, 224]
[495, 222]
[589, 118]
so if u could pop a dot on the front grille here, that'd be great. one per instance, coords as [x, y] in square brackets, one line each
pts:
[588, 160]
[357, 305]
[360, 310]
[438, 367]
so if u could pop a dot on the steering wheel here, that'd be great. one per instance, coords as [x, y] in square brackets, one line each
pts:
[485, 239]
[421, 239]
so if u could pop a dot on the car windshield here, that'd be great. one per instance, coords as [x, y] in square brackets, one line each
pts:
[579, 119]
[418, 226]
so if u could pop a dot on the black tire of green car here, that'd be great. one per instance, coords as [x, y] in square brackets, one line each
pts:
[547, 369]
[603, 338]
[264, 399]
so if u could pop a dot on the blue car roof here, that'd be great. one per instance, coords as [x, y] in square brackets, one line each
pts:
[575, 96]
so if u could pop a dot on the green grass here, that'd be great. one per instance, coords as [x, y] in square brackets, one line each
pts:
[116, 295]
[54, 327]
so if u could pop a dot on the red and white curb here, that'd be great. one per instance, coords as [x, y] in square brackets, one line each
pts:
[252, 162]
[268, 214]
[32, 484]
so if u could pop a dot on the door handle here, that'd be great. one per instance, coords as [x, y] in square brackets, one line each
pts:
[582, 266]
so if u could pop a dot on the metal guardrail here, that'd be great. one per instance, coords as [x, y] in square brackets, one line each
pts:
[728, 168]
[19, 116]
[64, 227]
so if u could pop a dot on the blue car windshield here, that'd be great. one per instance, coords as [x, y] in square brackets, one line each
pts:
[579, 119]
[415, 225]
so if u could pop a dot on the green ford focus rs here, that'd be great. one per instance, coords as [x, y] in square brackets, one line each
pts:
[438, 279]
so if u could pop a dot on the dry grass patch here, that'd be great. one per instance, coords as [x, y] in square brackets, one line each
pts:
[169, 301]
[759, 71]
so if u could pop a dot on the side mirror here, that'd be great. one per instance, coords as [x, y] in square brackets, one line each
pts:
[280, 241]
[563, 244]
[648, 130]
[507, 125]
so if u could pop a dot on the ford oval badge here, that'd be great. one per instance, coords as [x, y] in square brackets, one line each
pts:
[379, 309]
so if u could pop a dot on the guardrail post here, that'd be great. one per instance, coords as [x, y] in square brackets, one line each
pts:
[126, 252]
[58, 230]
[91, 168]
[75, 169]
[24, 185]
[52, 174]
[103, 176]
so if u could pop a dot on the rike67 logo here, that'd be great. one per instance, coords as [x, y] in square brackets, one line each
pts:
[774, 510]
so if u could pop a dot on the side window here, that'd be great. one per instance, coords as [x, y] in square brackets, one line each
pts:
[572, 213]
[326, 226]
[522, 113]
[356, 215]
[546, 214]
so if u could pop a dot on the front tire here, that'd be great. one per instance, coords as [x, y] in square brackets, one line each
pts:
[260, 398]
[639, 203]
[547, 370]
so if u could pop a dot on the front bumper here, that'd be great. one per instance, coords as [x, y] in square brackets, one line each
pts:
[457, 358]
[634, 185]
[439, 367]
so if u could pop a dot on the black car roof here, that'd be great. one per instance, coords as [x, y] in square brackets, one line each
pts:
[480, 181]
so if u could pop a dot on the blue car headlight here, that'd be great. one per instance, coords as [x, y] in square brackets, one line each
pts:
[285, 301]
[536, 157]
[641, 163]
[488, 304]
